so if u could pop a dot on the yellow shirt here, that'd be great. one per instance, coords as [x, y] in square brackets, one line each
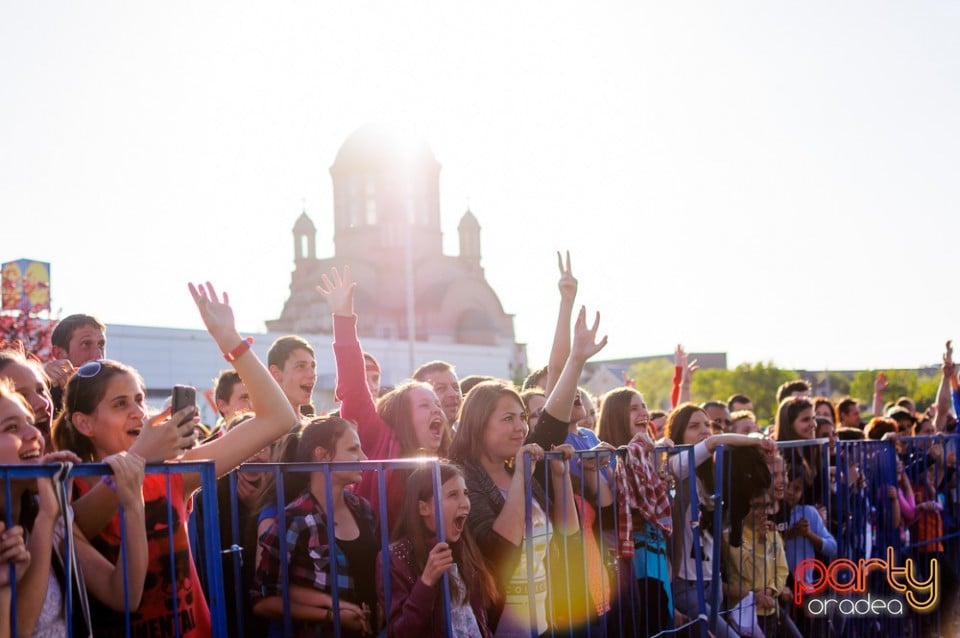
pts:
[756, 564]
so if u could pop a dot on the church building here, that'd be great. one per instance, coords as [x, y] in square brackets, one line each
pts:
[386, 212]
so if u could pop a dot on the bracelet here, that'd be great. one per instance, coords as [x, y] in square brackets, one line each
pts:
[242, 347]
[107, 480]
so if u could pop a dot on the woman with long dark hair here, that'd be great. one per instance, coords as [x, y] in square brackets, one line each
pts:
[418, 560]
[491, 444]
[689, 424]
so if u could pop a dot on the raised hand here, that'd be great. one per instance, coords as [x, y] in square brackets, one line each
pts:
[58, 371]
[880, 382]
[585, 343]
[688, 370]
[567, 283]
[128, 477]
[949, 367]
[217, 315]
[338, 291]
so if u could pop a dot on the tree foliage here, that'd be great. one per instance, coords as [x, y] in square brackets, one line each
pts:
[654, 380]
[908, 383]
[759, 381]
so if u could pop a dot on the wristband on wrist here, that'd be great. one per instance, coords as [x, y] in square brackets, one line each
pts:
[242, 347]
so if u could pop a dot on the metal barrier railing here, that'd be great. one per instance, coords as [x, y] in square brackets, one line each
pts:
[852, 488]
[64, 472]
[855, 487]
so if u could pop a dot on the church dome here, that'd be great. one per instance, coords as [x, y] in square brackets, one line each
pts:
[376, 146]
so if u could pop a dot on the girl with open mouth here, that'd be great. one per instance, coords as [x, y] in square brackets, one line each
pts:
[407, 421]
[105, 414]
[418, 561]
[37, 516]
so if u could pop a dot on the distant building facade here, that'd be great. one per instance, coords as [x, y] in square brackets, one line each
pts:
[377, 189]
[387, 229]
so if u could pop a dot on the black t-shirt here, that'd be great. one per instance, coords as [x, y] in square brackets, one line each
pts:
[361, 555]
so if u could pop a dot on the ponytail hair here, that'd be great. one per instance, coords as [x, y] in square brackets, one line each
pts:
[298, 447]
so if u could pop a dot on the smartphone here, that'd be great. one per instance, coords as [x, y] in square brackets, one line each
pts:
[183, 396]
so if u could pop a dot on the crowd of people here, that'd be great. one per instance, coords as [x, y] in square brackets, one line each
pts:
[555, 511]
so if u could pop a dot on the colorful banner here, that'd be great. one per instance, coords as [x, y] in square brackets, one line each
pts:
[26, 285]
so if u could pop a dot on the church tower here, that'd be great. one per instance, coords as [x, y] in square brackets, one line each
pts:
[386, 198]
[304, 239]
[379, 187]
[469, 230]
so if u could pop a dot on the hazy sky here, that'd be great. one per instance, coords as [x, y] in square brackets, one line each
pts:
[774, 180]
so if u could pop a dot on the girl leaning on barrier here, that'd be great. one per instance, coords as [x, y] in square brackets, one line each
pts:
[105, 414]
[309, 552]
[35, 505]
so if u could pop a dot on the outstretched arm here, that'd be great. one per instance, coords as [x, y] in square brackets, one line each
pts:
[585, 345]
[944, 393]
[561, 335]
[356, 403]
[274, 417]
[879, 385]
[683, 370]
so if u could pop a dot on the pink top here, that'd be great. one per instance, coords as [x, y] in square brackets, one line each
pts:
[377, 437]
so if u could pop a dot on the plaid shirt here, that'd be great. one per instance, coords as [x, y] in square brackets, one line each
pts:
[640, 491]
[308, 549]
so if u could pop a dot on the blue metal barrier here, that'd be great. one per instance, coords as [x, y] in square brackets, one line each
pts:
[214, 588]
[850, 479]
[279, 469]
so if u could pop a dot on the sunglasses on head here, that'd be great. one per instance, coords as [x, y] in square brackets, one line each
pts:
[90, 369]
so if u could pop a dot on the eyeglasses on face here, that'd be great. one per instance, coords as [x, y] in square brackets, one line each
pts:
[721, 422]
